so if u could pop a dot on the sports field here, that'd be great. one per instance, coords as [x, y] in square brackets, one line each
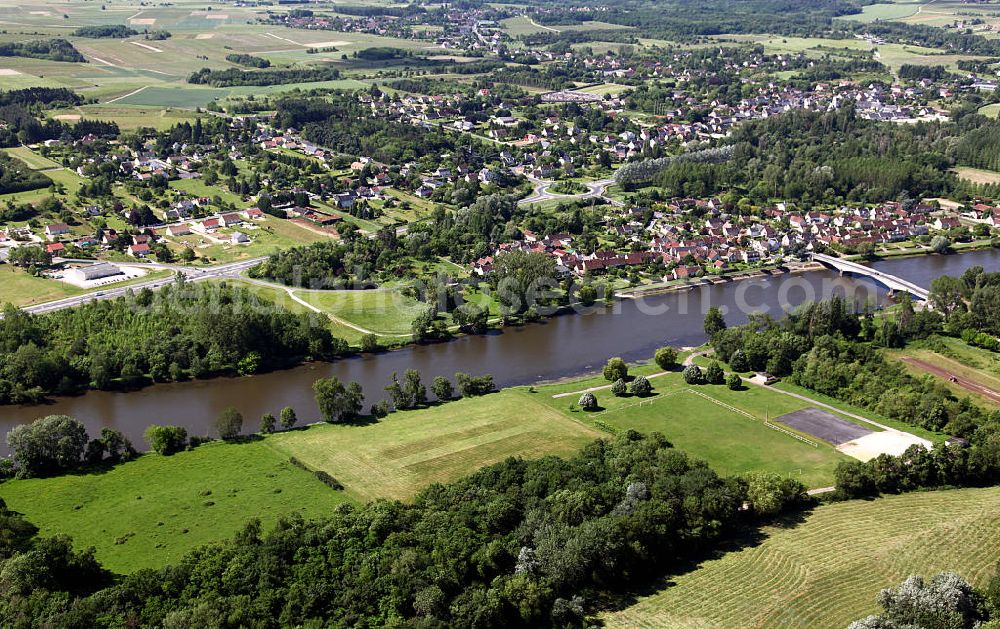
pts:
[827, 570]
[725, 428]
[149, 512]
[402, 454]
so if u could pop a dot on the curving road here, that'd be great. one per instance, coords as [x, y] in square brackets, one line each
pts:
[595, 189]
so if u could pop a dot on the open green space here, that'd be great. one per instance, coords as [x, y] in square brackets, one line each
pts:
[969, 364]
[711, 422]
[827, 570]
[402, 454]
[20, 288]
[885, 11]
[151, 511]
[31, 158]
[381, 311]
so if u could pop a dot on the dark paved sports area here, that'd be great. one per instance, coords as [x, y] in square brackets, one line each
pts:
[823, 425]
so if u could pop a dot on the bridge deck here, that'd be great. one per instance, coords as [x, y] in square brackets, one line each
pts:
[890, 281]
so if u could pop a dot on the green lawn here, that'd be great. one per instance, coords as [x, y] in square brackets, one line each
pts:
[882, 12]
[730, 441]
[270, 236]
[402, 454]
[150, 512]
[386, 312]
[990, 111]
[827, 571]
[31, 158]
[21, 289]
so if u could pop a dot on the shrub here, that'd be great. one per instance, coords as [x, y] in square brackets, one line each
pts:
[739, 361]
[288, 417]
[619, 389]
[267, 423]
[328, 480]
[616, 369]
[588, 401]
[734, 382]
[640, 387]
[692, 374]
[666, 358]
[442, 389]
[166, 440]
[714, 374]
[229, 424]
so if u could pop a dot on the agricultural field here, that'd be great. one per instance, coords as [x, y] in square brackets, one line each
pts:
[977, 175]
[128, 116]
[149, 512]
[826, 570]
[977, 371]
[141, 73]
[886, 11]
[402, 454]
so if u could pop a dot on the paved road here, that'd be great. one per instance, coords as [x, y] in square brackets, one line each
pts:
[541, 192]
[193, 274]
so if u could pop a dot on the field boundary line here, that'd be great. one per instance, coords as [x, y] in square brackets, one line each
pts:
[132, 93]
[754, 418]
[641, 402]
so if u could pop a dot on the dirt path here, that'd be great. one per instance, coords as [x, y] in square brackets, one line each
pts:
[979, 389]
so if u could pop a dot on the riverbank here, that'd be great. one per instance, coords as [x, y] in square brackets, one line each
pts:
[563, 347]
[205, 494]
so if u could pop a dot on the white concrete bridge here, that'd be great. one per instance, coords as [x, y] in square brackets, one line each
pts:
[889, 281]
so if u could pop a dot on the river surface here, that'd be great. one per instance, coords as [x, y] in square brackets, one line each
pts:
[564, 346]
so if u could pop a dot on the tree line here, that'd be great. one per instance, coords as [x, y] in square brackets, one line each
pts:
[181, 331]
[519, 543]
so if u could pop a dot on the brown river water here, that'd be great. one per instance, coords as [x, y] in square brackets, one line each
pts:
[560, 347]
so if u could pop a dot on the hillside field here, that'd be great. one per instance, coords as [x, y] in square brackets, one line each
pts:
[402, 454]
[827, 570]
[150, 512]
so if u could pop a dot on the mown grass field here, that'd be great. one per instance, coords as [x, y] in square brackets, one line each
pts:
[21, 289]
[149, 512]
[704, 427]
[977, 175]
[387, 312]
[827, 570]
[884, 11]
[34, 160]
[402, 454]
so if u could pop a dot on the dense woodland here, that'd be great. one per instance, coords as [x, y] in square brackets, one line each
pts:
[116, 31]
[519, 543]
[182, 331]
[50, 49]
[687, 20]
[345, 125]
[831, 157]
[234, 76]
